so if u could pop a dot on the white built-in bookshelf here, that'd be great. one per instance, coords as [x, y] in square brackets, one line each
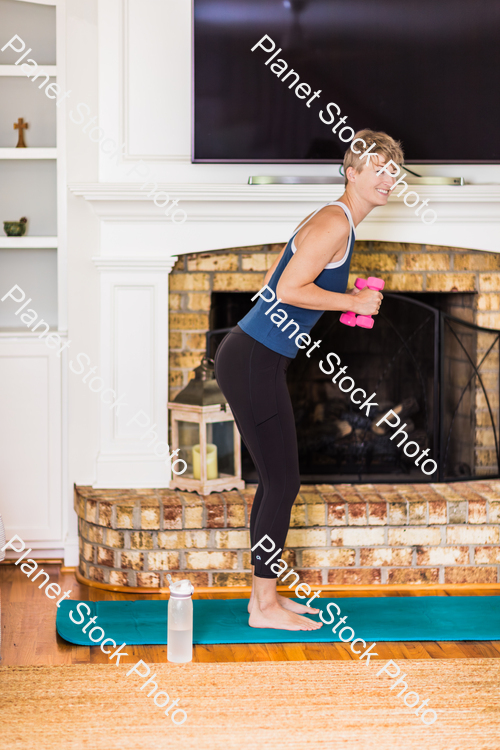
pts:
[22, 243]
[17, 71]
[33, 411]
[30, 178]
[28, 154]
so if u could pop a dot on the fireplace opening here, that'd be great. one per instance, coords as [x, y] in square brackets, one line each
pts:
[425, 359]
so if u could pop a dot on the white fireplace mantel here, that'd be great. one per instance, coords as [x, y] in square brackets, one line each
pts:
[234, 215]
[138, 246]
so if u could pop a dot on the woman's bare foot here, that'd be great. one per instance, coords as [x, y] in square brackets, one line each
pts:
[300, 609]
[267, 610]
[285, 602]
[275, 616]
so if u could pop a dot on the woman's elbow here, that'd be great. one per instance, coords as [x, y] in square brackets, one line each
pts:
[285, 293]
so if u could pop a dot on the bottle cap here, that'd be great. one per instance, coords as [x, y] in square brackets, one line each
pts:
[180, 589]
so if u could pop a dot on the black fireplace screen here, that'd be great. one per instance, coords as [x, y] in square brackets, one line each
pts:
[436, 371]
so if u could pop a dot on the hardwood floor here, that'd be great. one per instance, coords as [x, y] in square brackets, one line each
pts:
[29, 636]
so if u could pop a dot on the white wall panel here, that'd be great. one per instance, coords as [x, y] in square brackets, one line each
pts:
[30, 441]
[157, 81]
[133, 335]
[134, 362]
[134, 237]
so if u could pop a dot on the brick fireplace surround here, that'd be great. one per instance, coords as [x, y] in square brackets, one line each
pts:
[399, 534]
[404, 268]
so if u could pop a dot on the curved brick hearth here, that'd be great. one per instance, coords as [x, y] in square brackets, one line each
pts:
[340, 534]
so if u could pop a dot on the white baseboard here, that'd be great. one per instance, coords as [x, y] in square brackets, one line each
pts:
[71, 553]
[53, 553]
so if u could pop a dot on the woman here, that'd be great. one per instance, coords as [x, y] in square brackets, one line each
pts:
[309, 276]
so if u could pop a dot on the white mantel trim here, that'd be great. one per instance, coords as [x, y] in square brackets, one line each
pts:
[233, 215]
[258, 193]
[104, 263]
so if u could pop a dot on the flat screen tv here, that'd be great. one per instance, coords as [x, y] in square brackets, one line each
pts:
[425, 71]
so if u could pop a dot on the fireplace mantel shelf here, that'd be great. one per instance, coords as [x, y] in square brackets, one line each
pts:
[235, 215]
[234, 192]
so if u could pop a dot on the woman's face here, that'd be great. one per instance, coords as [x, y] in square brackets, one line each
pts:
[370, 187]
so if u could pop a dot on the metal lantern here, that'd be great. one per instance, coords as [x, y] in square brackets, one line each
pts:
[204, 431]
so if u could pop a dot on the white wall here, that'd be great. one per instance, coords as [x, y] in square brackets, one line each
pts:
[83, 243]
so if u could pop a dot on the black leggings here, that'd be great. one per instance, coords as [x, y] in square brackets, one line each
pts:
[253, 379]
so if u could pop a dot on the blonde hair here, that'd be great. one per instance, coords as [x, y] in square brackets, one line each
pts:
[385, 146]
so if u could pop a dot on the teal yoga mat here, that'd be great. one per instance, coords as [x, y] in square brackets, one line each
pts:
[422, 618]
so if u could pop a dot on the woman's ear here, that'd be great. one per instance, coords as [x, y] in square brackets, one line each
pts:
[351, 174]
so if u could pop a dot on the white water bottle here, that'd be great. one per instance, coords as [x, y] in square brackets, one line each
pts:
[180, 621]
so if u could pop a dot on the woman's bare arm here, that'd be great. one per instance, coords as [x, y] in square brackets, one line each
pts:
[273, 267]
[326, 238]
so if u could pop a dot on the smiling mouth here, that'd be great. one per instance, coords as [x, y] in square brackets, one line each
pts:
[380, 190]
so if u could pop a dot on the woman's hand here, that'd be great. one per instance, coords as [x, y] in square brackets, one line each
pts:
[368, 302]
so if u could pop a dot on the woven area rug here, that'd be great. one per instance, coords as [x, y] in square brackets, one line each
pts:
[257, 706]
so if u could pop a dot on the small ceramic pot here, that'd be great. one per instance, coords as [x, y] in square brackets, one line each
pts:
[15, 228]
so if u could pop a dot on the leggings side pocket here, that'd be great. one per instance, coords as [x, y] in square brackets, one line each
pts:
[263, 394]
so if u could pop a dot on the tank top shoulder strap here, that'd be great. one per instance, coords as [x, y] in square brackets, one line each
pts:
[308, 219]
[334, 203]
[347, 213]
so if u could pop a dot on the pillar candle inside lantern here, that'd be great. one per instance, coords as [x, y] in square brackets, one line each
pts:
[212, 470]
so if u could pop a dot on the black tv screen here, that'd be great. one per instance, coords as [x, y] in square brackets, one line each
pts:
[425, 71]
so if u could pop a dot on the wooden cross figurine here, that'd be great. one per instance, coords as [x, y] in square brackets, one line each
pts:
[21, 126]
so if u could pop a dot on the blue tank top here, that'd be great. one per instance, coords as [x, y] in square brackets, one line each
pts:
[333, 278]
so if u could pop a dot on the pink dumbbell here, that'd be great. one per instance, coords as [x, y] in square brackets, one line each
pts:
[363, 321]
